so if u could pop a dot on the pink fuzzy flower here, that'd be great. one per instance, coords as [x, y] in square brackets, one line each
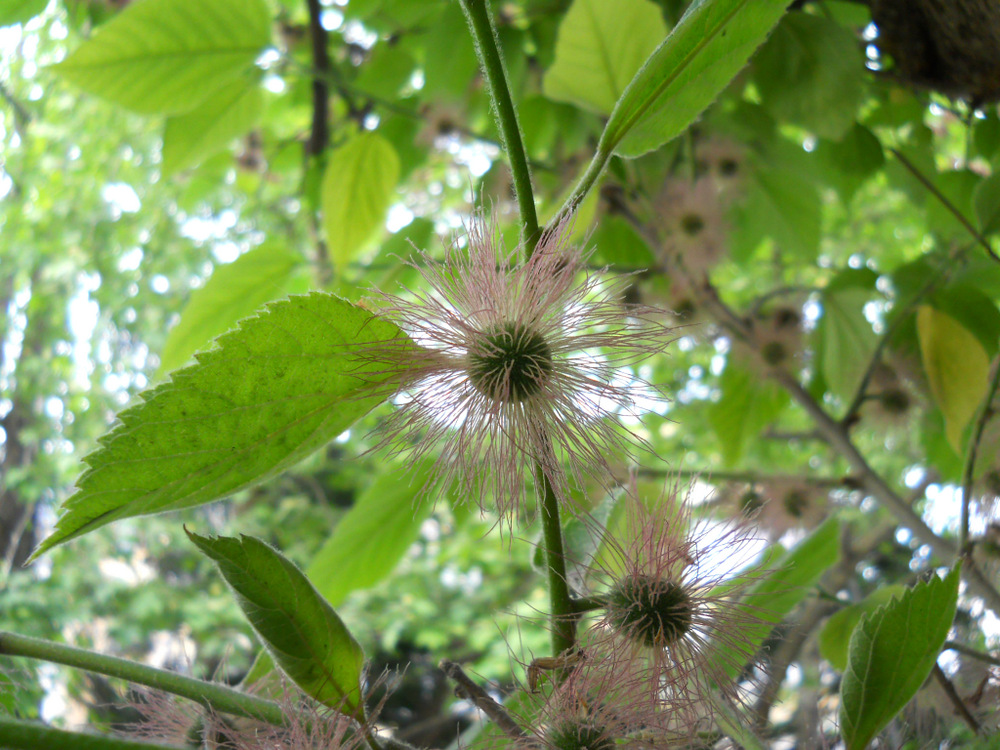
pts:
[671, 603]
[518, 366]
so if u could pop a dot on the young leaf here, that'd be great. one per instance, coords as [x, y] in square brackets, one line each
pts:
[233, 291]
[891, 653]
[357, 188]
[702, 54]
[273, 391]
[835, 636]
[957, 368]
[209, 127]
[168, 56]
[848, 339]
[374, 534]
[299, 628]
[599, 48]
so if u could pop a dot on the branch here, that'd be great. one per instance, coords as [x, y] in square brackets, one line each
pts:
[956, 700]
[481, 699]
[839, 439]
[320, 134]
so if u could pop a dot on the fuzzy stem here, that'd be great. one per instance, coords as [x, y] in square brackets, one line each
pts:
[564, 609]
[215, 696]
[487, 48]
[477, 15]
[586, 183]
[17, 734]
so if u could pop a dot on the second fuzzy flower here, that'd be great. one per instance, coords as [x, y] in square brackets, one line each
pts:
[519, 366]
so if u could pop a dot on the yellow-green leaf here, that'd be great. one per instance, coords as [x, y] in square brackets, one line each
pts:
[168, 56]
[357, 189]
[957, 369]
[600, 47]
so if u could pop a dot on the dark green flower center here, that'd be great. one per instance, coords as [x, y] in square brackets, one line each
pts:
[751, 502]
[510, 362]
[895, 401]
[655, 611]
[579, 736]
[774, 352]
[692, 224]
[795, 503]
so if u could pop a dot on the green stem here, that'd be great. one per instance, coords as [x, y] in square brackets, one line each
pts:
[17, 734]
[215, 696]
[487, 48]
[586, 183]
[564, 610]
[982, 417]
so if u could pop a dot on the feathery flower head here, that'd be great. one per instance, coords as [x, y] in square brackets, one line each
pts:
[790, 503]
[518, 365]
[690, 220]
[604, 703]
[672, 602]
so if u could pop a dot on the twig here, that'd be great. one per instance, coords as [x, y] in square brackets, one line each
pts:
[972, 653]
[481, 699]
[946, 203]
[956, 699]
[982, 416]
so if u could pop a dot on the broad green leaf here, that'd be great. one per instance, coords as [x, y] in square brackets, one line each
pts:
[20, 11]
[986, 201]
[957, 369]
[600, 47]
[357, 189]
[784, 204]
[209, 127]
[272, 391]
[958, 186]
[233, 291]
[748, 403]
[851, 161]
[168, 56]
[848, 339]
[891, 653]
[812, 72]
[836, 633]
[704, 51]
[299, 628]
[374, 534]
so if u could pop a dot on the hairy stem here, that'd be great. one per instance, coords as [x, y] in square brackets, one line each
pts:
[564, 609]
[213, 695]
[484, 35]
[17, 734]
[481, 699]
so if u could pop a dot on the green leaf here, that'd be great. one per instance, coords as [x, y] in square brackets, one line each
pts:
[357, 189]
[20, 11]
[373, 535]
[273, 391]
[986, 201]
[891, 653]
[958, 186]
[168, 56]
[748, 404]
[298, 627]
[233, 291]
[812, 72]
[791, 577]
[600, 47]
[704, 51]
[851, 161]
[848, 339]
[784, 204]
[836, 634]
[209, 127]
[957, 369]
